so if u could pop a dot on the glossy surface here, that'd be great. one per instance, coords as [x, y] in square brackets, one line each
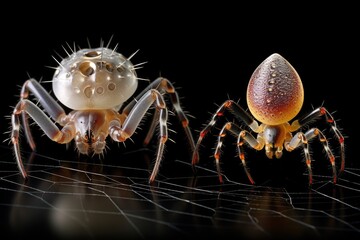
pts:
[94, 79]
[275, 92]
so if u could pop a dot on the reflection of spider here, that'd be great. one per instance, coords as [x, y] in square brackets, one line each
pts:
[95, 83]
[275, 96]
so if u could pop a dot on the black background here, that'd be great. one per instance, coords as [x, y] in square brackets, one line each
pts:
[209, 51]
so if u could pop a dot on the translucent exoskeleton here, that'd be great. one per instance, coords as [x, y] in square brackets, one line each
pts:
[95, 83]
[275, 96]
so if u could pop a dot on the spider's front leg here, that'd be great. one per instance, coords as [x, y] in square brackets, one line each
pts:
[122, 132]
[303, 138]
[25, 107]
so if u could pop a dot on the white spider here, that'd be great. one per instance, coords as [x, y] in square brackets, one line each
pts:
[94, 83]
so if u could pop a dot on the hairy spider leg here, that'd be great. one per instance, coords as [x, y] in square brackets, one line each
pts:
[120, 132]
[163, 85]
[313, 132]
[25, 107]
[237, 132]
[239, 113]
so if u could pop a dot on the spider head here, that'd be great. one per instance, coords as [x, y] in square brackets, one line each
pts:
[94, 79]
[90, 127]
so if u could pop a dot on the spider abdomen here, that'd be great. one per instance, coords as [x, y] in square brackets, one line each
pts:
[97, 78]
[275, 92]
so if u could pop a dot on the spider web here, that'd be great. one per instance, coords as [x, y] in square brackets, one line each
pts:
[66, 196]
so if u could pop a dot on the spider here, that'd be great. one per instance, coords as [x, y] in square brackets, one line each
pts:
[275, 95]
[95, 83]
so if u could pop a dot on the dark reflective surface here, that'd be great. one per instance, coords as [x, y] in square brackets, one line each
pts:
[67, 197]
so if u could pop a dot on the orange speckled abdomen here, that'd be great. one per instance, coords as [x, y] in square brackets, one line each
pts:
[275, 92]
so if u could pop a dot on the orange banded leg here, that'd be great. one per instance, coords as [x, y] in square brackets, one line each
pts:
[310, 134]
[234, 130]
[240, 134]
[257, 144]
[323, 112]
[239, 113]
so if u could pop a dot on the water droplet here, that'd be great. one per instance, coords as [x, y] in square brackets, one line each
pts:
[272, 65]
[273, 74]
[268, 100]
[270, 89]
[272, 81]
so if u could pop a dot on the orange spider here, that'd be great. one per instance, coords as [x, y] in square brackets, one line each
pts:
[275, 95]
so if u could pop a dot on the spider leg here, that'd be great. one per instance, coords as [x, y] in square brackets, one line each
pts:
[122, 132]
[228, 127]
[49, 128]
[240, 134]
[50, 105]
[163, 85]
[257, 144]
[296, 141]
[323, 112]
[26, 107]
[239, 114]
[152, 127]
[304, 139]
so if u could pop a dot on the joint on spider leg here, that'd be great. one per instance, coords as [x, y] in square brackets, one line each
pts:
[167, 85]
[195, 156]
[116, 132]
[203, 133]
[195, 159]
[185, 122]
[228, 103]
[163, 139]
[322, 110]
